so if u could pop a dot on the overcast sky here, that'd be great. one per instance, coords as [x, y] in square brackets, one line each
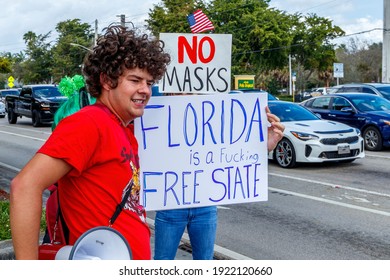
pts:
[41, 16]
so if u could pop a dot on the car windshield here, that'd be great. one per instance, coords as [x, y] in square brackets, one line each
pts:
[271, 97]
[47, 92]
[369, 103]
[385, 91]
[288, 112]
[4, 93]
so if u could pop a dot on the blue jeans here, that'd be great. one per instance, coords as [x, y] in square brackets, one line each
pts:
[201, 226]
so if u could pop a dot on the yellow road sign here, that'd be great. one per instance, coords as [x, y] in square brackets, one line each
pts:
[11, 79]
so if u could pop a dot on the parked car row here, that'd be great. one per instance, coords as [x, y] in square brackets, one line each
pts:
[307, 138]
[335, 126]
[367, 112]
[270, 96]
[380, 89]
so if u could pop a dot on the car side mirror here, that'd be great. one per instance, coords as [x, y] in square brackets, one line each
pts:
[347, 110]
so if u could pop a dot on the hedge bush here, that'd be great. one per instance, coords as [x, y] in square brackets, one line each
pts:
[5, 229]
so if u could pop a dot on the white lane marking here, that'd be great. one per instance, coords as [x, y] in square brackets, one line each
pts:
[9, 166]
[27, 129]
[23, 136]
[330, 185]
[384, 213]
[377, 156]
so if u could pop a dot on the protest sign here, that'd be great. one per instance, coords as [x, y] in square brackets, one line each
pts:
[202, 150]
[200, 63]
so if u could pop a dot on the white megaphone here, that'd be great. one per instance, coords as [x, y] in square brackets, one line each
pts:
[99, 243]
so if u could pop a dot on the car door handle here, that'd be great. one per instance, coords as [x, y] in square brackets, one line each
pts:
[331, 115]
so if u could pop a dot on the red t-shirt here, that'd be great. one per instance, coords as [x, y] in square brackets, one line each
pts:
[104, 157]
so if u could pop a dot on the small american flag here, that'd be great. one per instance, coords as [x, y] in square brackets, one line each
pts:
[199, 22]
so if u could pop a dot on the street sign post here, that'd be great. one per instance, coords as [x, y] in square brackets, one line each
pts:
[338, 71]
[11, 81]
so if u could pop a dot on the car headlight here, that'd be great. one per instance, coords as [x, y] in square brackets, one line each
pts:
[45, 105]
[304, 136]
[357, 131]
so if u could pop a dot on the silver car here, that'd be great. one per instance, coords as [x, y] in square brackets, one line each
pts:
[381, 89]
[2, 109]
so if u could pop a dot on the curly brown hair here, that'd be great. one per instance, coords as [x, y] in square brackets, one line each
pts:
[121, 48]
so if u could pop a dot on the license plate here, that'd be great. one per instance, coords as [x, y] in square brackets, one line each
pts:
[343, 149]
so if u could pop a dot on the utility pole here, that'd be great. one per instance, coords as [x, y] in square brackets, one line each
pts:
[96, 33]
[386, 43]
[123, 20]
[290, 74]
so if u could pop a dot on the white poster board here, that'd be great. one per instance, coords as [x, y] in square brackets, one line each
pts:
[200, 63]
[202, 150]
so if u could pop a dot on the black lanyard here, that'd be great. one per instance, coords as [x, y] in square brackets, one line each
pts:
[120, 206]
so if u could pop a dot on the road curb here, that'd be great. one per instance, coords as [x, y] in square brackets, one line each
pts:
[6, 250]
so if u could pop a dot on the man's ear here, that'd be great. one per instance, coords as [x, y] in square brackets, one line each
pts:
[106, 84]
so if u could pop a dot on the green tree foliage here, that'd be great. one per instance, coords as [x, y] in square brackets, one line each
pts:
[37, 67]
[170, 16]
[68, 58]
[263, 37]
[362, 61]
[5, 65]
[46, 62]
[17, 65]
[12, 66]
[260, 34]
[311, 45]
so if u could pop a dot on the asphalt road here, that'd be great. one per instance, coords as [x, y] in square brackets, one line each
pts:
[317, 212]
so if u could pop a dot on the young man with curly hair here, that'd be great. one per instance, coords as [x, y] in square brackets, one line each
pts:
[92, 154]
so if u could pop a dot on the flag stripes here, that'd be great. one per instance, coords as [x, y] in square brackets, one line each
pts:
[199, 22]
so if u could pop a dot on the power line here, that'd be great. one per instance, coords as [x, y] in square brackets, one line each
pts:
[310, 43]
[322, 4]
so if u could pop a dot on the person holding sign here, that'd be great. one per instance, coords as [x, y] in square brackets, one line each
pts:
[93, 153]
[201, 222]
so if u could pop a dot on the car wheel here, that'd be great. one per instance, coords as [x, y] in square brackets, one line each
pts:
[372, 139]
[12, 117]
[284, 154]
[36, 119]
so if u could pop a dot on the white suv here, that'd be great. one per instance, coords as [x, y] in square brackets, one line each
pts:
[321, 90]
[381, 89]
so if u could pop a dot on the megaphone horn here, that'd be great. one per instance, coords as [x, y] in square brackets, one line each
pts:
[99, 243]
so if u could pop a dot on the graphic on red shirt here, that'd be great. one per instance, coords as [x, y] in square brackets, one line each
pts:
[132, 203]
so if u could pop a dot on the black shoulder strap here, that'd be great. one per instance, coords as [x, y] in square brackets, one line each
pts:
[120, 206]
[60, 218]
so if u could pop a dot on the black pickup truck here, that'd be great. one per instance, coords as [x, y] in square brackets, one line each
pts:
[38, 102]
